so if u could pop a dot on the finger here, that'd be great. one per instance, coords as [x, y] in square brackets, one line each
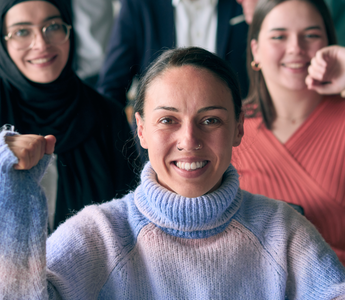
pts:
[321, 57]
[50, 144]
[316, 70]
[309, 82]
[26, 157]
[29, 149]
[315, 73]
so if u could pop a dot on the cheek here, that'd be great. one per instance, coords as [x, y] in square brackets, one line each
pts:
[17, 57]
[221, 143]
[273, 54]
[65, 49]
[268, 54]
[317, 46]
[158, 141]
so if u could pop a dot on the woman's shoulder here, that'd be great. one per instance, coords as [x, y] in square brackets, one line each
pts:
[267, 217]
[93, 243]
[114, 217]
[109, 221]
[110, 114]
[278, 226]
[333, 104]
[100, 100]
[253, 123]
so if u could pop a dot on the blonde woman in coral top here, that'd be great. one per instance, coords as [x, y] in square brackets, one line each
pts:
[293, 148]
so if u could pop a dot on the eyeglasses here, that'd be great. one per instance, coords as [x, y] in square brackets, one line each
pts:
[23, 37]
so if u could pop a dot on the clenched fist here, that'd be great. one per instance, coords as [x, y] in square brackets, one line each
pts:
[30, 148]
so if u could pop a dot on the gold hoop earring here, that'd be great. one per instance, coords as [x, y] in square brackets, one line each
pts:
[255, 66]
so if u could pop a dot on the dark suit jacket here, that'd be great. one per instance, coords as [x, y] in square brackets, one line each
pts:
[146, 27]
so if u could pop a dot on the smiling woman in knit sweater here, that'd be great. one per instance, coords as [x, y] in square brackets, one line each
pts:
[187, 232]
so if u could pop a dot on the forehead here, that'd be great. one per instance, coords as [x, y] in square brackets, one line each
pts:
[294, 14]
[188, 87]
[30, 12]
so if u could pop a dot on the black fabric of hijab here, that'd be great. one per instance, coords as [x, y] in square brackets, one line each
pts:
[54, 108]
[91, 131]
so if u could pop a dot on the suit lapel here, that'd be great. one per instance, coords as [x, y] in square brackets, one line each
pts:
[227, 9]
[165, 12]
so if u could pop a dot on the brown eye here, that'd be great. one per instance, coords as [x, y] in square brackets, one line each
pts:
[277, 37]
[21, 33]
[211, 121]
[166, 121]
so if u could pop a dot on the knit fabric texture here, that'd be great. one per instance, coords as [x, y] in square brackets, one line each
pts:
[307, 170]
[155, 244]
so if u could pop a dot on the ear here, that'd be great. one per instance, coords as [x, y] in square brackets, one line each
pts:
[239, 131]
[255, 50]
[140, 130]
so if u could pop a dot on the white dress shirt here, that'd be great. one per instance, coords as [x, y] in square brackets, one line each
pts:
[93, 21]
[49, 183]
[196, 23]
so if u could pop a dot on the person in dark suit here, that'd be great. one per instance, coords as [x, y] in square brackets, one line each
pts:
[144, 28]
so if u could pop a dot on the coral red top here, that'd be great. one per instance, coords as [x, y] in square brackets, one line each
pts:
[308, 170]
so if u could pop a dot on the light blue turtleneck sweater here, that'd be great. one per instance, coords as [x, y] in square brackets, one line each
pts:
[155, 244]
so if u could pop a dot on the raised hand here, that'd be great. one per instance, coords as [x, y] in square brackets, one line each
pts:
[30, 148]
[327, 71]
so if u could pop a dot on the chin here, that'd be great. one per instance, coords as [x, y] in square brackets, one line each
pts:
[43, 80]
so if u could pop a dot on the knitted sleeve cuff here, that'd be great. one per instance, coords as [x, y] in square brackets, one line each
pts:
[8, 159]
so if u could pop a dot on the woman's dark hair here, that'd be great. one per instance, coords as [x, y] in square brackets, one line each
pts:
[192, 56]
[258, 99]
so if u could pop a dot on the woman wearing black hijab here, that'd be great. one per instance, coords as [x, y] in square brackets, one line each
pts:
[40, 94]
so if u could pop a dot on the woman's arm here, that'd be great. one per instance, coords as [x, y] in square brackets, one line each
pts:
[23, 216]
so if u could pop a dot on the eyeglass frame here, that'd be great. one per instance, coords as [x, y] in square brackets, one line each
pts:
[8, 36]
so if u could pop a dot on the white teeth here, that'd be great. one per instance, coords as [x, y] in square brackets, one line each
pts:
[40, 60]
[294, 65]
[191, 166]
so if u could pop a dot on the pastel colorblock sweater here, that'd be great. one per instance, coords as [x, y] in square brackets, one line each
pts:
[308, 170]
[155, 244]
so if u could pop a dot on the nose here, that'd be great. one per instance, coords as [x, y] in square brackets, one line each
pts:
[188, 138]
[39, 41]
[295, 45]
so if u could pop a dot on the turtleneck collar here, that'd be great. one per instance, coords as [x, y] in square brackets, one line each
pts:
[185, 217]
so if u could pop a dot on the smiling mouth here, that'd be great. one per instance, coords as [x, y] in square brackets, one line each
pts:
[191, 166]
[41, 60]
[294, 65]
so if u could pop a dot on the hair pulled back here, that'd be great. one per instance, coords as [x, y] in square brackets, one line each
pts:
[192, 56]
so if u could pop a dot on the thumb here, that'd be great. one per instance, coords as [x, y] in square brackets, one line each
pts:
[322, 88]
[50, 144]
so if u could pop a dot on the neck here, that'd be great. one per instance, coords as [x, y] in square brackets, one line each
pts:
[292, 109]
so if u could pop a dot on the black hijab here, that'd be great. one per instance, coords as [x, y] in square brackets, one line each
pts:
[54, 108]
[91, 130]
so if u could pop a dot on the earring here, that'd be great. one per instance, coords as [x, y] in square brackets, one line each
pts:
[255, 66]
[198, 148]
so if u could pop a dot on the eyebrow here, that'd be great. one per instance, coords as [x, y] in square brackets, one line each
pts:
[306, 29]
[204, 109]
[211, 108]
[28, 23]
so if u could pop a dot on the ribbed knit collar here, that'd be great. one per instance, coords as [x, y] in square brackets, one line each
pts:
[188, 217]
